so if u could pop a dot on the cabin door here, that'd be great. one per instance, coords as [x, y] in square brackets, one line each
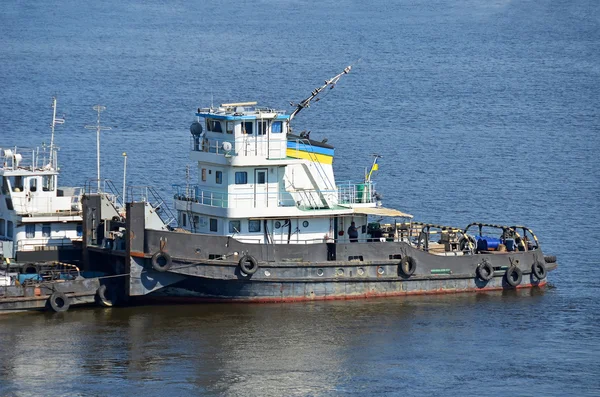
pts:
[261, 184]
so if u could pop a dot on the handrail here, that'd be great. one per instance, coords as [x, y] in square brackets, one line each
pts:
[223, 199]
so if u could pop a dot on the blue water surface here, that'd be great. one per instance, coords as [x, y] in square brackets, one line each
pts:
[483, 110]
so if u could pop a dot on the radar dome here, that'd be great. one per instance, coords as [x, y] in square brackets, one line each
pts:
[196, 128]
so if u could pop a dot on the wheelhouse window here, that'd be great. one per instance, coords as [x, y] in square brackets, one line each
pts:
[48, 183]
[46, 230]
[213, 125]
[254, 226]
[213, 225]
[2, 227]
[79, 230]
[247, 127]
[241, 178]
[32, 184]
[235, 226]
[219, 177]
[262, 127]
[229, 126]
[277, 127]
[9, 229]
[30, 231]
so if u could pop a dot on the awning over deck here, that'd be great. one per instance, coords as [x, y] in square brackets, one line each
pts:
[382, 211]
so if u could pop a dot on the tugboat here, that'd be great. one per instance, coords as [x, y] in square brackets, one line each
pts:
[40, 231]
[268, 222]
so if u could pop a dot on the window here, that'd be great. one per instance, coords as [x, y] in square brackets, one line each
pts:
[183, 219]
[16, 182]
[219, 177]
[213, 125]
[261, 177]
[4, 185]
[235, 226]
[32, 184]
[9, 229]
[247, 127]
[213, 225]
[229, 127]
[241, 178]
[79, 230]
[46, 230]
[254, 226]
[47, 183]
[30, 231]
[203, 174]
[262, 127]
[2, 227]
[276, 127]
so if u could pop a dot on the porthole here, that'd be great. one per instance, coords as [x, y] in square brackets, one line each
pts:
[380, 270]
[319, 272]
[360, 271]
[277, 224]
[305, 224]
[340, 272]
[267, 273]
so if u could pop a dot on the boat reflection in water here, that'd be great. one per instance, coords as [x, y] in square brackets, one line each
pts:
[279, 349]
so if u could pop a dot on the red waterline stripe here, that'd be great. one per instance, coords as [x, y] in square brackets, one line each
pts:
[278, 299]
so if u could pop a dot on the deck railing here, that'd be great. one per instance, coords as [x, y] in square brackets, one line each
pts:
[348, 193]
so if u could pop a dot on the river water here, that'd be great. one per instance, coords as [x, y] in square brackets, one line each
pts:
[484, 110]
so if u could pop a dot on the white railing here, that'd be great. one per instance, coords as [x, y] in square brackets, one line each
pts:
[48, 243]
[52, 206]
[348, 193]
[247, 146]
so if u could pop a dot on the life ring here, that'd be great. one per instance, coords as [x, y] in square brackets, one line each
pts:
[513, 276]
[161, 261]
[539, 270]
[102, 299]
[408, 265]
[59, 302]
[485, 271]
[248, 265]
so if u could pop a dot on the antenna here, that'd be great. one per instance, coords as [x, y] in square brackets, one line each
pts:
[328, 83]
[54, 122]
[187, 179]
[98, 128]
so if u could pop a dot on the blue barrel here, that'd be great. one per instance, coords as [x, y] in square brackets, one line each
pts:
[510, 244]
[487, 243]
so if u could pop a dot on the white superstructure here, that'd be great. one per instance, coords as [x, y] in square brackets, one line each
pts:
[35, 214]
[259, 183]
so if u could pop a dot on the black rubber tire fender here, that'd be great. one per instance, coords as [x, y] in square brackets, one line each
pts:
[59, 302]
[248, 265]
[102, 298]
[408, 265]
[538, 269]
[485, 271]
[550, 259]
[30, 268]
[513, 276]
[161, 261]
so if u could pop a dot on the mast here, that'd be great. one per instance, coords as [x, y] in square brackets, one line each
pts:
[328, 83]
[54, 122]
